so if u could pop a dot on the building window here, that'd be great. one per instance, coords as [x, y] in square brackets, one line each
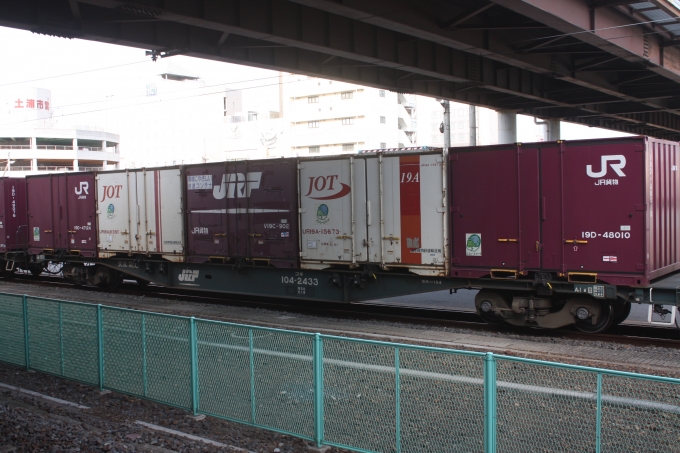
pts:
[313, 99]
[381, 93]
[314, 149]
[461, 112]
[434, 115]
[382, 119]
[461, 124]
[383, 145]
[349, 148]
[313, 124]
[461, 137]
[435, 139]
[252, 116]
[347, 121]
[347, 95]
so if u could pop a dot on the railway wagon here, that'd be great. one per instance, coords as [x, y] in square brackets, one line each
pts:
[584, 212]
[243, 211]
[61, 215]
[13, 221]
[384, 210]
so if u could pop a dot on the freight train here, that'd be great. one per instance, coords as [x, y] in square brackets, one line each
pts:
[552, 233]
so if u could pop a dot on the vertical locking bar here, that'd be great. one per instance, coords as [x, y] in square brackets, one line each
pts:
[100, 344]
[489, 403]
[252, 376]
[194, 366]
[397, 386]
[598, 423]
[27, 345]
[318, 390]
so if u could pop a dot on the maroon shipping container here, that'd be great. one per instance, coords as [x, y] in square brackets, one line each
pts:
[243, 210]
[590, 210]
[61, 214]
[13, 223]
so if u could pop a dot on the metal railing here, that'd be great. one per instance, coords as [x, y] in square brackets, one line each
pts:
[15, 146]
[365, 396]
[54, 168]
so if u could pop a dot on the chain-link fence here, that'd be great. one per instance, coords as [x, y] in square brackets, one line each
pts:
[356, 394]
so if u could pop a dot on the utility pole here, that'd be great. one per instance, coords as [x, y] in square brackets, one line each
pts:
[473, 125]
[445, 127]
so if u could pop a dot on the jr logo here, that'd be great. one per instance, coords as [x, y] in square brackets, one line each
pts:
[84, 187]
[187, 275]
[326, 188]
[617, 162]
[110, 192]
[237, 185]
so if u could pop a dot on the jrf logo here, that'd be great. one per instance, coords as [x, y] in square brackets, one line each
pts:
[326, 188]
[237, 185]
[617, 162]
[84, 187]
[188, 275]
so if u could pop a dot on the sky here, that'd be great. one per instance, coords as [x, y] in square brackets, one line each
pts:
[85, 78]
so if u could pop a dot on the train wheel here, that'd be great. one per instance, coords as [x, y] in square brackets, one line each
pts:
[484, 302]
[621, 312]
[605, 320]
[141, 282]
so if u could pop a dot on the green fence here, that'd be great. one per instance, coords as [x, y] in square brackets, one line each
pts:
[361, 395]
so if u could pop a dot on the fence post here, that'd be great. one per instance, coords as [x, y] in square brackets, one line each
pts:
[194, 366]
[397, 385]
[100, 345]
[252, 376]
[489, 403]
[27, 345]
[598, 423]
[61, 341]
[146, 387]
[318, 390]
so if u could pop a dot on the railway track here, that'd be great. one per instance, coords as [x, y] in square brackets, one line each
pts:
[627, 333]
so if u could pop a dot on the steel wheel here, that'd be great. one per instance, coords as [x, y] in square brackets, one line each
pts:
[492, 298]
[607, 315]
[621, 312]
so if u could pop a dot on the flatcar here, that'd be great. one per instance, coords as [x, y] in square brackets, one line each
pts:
[552, 233]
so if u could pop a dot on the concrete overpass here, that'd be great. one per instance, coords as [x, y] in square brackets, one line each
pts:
[605, 63]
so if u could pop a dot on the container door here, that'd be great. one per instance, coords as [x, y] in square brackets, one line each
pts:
[40, 212]
[371, 216]
[234, 190]
[80, 212]
[603, 207]
[206, 211]
[113, 215]
[495, 209]
[271, 191]
[61, 230]
[326, 217]
[166, 213]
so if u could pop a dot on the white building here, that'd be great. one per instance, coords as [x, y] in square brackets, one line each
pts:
[30, 142]
[322, 117]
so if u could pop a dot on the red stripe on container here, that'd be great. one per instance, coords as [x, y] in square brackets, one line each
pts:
[409, 205]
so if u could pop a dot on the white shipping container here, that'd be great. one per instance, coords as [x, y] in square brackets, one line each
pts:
[387, 209]
[140, 211]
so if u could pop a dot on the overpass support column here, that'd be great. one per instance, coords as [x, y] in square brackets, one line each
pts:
[554, 131]
[507, 126]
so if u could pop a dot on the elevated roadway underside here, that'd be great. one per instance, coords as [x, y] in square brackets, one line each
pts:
[605, 63]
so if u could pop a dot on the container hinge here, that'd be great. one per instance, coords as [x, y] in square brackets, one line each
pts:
[125, 232]
[302, 210]
[47, 231]
[218, 235]
[441, 210]
[150, 233]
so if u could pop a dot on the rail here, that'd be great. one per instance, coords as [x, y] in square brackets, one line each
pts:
[361, 395]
